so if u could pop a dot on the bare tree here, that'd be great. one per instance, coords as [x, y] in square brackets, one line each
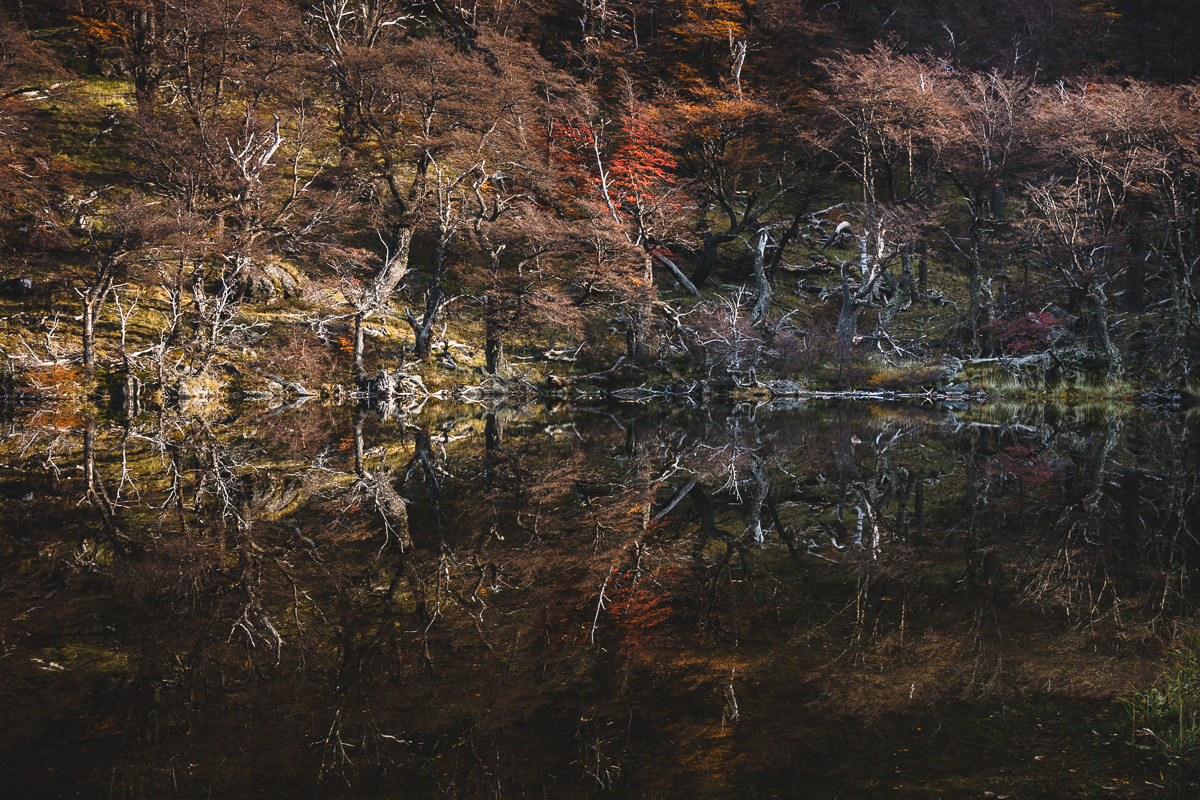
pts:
[117, 242]
[984, 130]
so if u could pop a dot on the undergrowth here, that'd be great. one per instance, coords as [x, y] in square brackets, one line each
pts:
[1168, 713]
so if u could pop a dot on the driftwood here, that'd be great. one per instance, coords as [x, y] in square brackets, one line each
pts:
[497, 387]
[553, 355]
[679, 495]
[558, 382]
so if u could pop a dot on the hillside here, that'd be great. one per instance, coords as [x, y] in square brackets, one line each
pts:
[297, 196]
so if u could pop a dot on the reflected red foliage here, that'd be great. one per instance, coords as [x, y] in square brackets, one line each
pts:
[1022, 461]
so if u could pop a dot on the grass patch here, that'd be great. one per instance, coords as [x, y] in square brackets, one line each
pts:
[1168, 713]
[909, 377]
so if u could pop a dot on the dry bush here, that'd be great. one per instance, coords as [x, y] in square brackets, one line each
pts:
[816, 347]
[788, 352]
[300, 356]
[722, 340]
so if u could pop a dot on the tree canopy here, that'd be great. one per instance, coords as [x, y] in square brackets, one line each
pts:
[599, 178]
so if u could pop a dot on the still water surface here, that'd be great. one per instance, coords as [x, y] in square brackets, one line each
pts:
[827, 600]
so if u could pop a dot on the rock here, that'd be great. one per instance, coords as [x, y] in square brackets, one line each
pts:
[394, 383]
[270, 282]
[18, 287]
[786, 389]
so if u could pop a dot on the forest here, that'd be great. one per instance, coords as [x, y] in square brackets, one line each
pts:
[693, 196]
[599, 398]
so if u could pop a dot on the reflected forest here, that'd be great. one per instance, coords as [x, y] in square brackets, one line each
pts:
[626, 600]
[599, 399]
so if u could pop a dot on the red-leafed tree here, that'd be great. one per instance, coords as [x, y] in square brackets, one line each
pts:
[621, 175]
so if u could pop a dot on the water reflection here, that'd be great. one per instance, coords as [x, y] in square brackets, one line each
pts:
[624, 600]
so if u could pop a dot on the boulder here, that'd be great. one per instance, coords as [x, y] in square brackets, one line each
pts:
[18, 287]
[268, 283]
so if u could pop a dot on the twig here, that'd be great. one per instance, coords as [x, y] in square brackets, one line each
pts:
[600, 604]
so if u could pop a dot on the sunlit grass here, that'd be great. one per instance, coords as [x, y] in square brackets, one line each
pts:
[116, 93]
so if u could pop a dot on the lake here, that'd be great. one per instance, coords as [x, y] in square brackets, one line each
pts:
[814, 599]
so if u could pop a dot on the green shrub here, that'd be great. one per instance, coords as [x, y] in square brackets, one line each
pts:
[1167, 712]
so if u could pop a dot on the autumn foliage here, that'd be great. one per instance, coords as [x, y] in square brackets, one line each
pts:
[583, 177]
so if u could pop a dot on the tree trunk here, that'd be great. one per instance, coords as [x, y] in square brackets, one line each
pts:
[708, 257]
[89, 332]
[146, 74]
[897, 301]
[762, 286]
[360, 468]
[433, 303]
[93, 303]
[908, 287]
[95, 492]
[493, 349]
[423, 346]
[360, 320]
[847, 326]
[146, 93]
[493, 434]
[1099, 341]
[638, 463]
[677, 273]
[493, 346]
[997, 201]
[756, 500]
[785, 240]
[127, 394]
[637, 335]
[1097, 459]
[975, 281]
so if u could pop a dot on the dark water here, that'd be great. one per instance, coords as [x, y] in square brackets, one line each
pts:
[627, 601]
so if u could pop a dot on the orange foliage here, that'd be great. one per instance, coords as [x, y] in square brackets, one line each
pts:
[98, 31]
[698, 41]
[634, 602]
[637, 606]
[57, 419]
[53, 380]
[631, 164]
